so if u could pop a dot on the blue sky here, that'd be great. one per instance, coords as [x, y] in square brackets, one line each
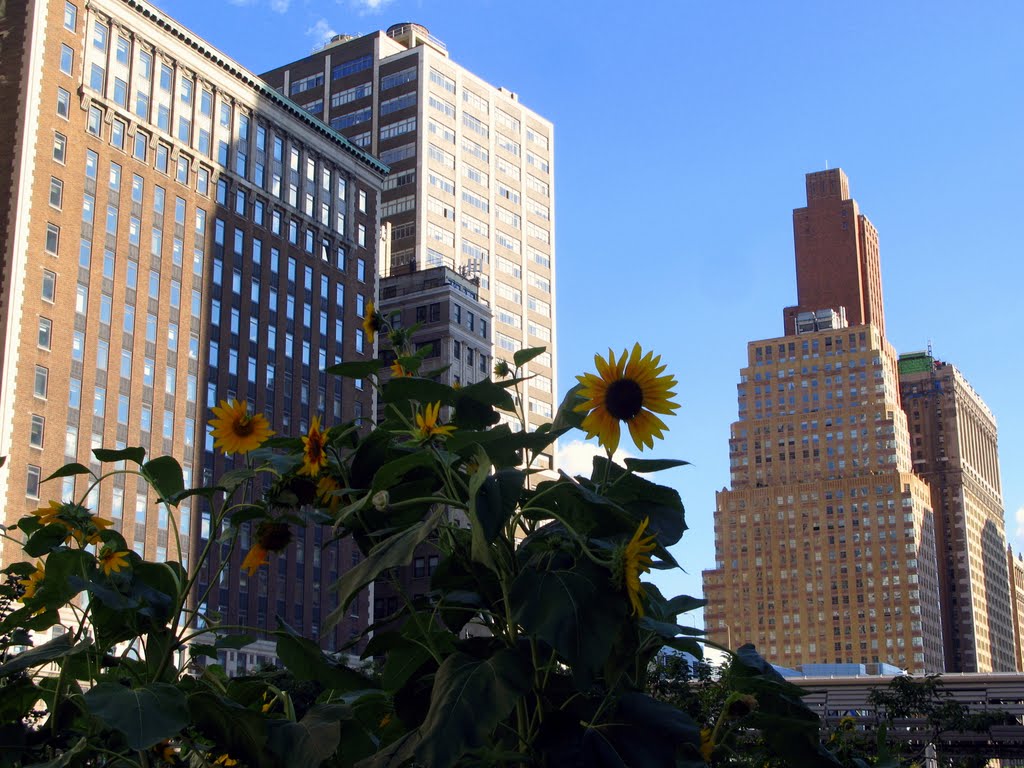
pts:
[683, 133]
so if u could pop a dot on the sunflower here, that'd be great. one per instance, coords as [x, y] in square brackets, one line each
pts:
[707, 744]
[49, 514]
[271, 536]
[427, 426]
[235, 430]
[628, 389]
[398, 371]
[111, 561]
[313, 456]
[501, 369]
[636, 560]
[325, 496]
[31, 584]
[371, 322]
[225, 760]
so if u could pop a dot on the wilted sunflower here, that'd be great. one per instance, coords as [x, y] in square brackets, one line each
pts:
[324, 493]
[371, 322]
[313, 444]
[270, 536]
[635, 559]
[630, 389]
[235, 430]
[426, 423]
[111, 561]
[31, 584]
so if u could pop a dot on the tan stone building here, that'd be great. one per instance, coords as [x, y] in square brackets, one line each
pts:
[173, 233]
[472, 185]
[825, 542]
[1015, 567]
[954, 446]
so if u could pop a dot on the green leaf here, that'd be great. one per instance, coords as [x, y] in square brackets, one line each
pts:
[69, 470]
[424, 390]
[470, 697]
[523, 356]
[304, 659]
[46, 540]
[164, 474]
[357, 369]
[642, 498]
[17, 698]
[390, 553]
[573, 611]
[653, 465]
[57, 648]
[480, 549]
[389, 474]
[401, 663]
[239, 732]
[475, 404]
[567, 417]
[146, 716]
[233, 641]
[311, 740]
[496, 500]
[124, 454]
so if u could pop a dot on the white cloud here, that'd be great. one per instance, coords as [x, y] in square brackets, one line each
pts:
[242, 3]
[321, 31]
[1020, 523]
[366, 7]
[279, 6]
[577, 457]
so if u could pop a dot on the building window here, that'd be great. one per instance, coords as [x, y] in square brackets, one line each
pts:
[67, 59]
[45, 333]
[49, 286]
[95, 121]
[56, 192]
[52, 238]
[63, 103]
[117, 132]
[34, 475]
[41, 382]
[35, 435]
[70, 17]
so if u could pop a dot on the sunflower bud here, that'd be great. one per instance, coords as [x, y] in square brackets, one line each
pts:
[740, 706]
[501, 369]
[380, 500]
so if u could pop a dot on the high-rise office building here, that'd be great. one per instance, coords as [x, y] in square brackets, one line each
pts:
[174, 233]
[471, 186]
[1015, 572]
[825, 542]
[955, 449]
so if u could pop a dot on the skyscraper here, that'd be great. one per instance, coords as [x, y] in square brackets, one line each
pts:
[174, 233]
[955, 449]
[471, 186]
[825, 542]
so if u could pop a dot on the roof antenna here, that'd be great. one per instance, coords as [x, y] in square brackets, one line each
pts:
[929, 347]
[826, 165]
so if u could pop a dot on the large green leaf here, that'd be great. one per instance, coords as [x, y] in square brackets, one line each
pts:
[642, 498]
[389, 474]
[523, 356]
[357, 369]
[470, 697]
[307, 743]
[69, 470]
[392, 552]
[475, 404]
[573, 611]
[567, 416]
[496, 500]
[46, 539]
[304, 659]
[145, 715]
[653, 465]
[406, 388]
[239, 732]
[401, 663]
[42, 654]
[165, 475]
[480, 549]
[135, 455]
[17, 698]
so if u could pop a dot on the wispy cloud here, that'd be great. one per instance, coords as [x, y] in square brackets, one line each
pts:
[577, 457]
[242, 3]
[321, 31]
[1019, 516]
[368, 7]
[279, 6]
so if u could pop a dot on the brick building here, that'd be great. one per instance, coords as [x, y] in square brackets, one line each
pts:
[174, 233]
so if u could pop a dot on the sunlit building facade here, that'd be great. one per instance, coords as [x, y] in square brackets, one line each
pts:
[174, 233]
[825, 541]
[471, 187]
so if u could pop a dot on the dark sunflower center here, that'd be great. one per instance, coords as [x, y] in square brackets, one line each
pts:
[624, 399]
[244, 426]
